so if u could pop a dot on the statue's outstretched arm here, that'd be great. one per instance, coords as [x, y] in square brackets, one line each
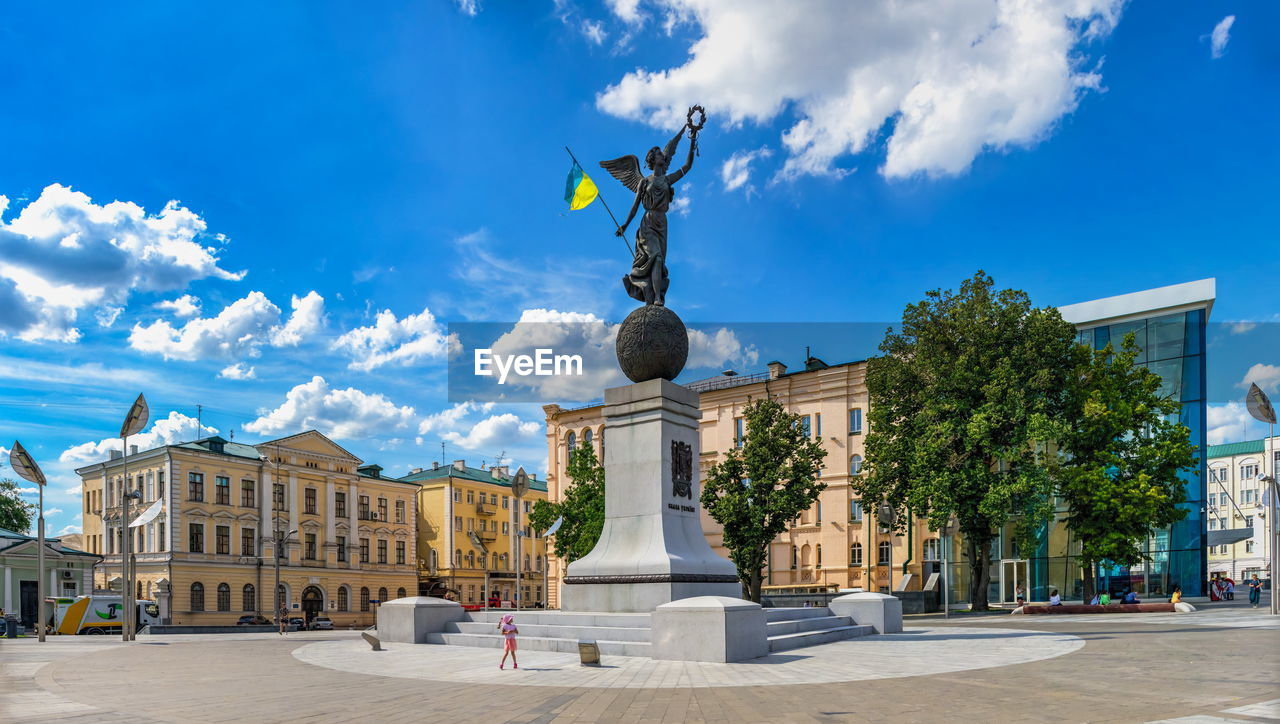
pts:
[688, 162]
[632, 214]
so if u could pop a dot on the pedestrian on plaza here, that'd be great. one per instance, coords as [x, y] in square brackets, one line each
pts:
[1130, 596]
[1020, 595]
[1054, 598]
[1177, 595]
[1105, 598]
[509, 631]
[1255, 590]
[1231, 589]
[1097, 599]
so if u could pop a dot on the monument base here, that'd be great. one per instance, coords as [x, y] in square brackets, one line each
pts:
[638, 597]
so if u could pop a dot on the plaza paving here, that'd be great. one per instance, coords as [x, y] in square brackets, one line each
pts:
[1220, 664]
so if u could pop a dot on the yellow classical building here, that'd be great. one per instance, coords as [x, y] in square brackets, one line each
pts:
[1237, 540]
[474, 537]
[834, 543]
[348, 532]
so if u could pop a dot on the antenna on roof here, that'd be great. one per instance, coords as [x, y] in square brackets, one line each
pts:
[198, 425]
[442, 452]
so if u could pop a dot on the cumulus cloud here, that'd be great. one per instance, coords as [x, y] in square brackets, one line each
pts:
[63, 254]
[445, 419]
[52, 511]
[1221, 35]
[736, 171]
[495, 431]
[627, 10]
[394, 341]
[943, 81]
[107, 316]
[170, 430]
[346, 413]
[238, 371]
[469, 7]
[719, 348]
[1242, 327]
[241, 329]
[593, 31]
[1264, 375]
[1229, 422]
[184, 306]
[680, 205]
[70, 530]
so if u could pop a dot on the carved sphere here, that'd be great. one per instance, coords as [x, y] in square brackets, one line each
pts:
[652, 343]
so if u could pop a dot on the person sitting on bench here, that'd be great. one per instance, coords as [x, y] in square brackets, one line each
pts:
[1130, 597]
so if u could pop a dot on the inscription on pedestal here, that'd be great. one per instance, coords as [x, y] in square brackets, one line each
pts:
[681, 469]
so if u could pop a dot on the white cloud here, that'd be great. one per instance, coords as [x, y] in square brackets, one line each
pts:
[391, 341]
[943, 80]
[107, 316]
[1221, 35]
[680, 205]
[27, 491]
[170, 430]
[1229, 422]
[496, 431]
[240, 330]
[593, 31]
[238, 371]
[469, 7]
[627, 10]
[451, 417]
[63, 254]
[1264, 375]
[52, 511]
[70, 530]
[718, 349]
[736, 171]
[341, 414]
[1242, 327]
[184, 306]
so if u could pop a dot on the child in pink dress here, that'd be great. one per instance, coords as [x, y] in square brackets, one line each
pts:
[509, 631]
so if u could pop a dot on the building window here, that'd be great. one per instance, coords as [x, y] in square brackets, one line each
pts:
[309, 547]
[309, 501]
[195, 487]
[1218, 475]
[282, 599]
[506, 528]
[1213, 524]
[817, 425]
[164, 546]
[223, 539]
[160, 483]
[195, 539]
[457, 558]
[806, 425]
[248, 542]
[362, 509]
[382, 509]
[932, 550]
[818, 555]
[224, 597]
[382, 551]
[197, 596]
[471, 559]
[457, 495]
[1247, 495]
[343, 598]
[1248, 521]
[382, 595]
[795, 557]
[471, 497]
[1248, 546]
[364, 598]
[277, 496]
[401, 593]
[506, 502]
[248, 598]
[855, 464]
[400, 508]
[457, 522]
[1248, 471]
[342, 549]
[855, 511]
[817, 511]
[570, 444]
[526, 507]
[886, 552]
[400, 552]
[364, 550]
[222, 490]
[855, 421]
[248, 494]
[855, 554]
[340, 504]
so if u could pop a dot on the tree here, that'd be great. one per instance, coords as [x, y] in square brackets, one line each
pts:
[963, 402]
[16, 514]
[1121, 455]
[581, 505]
[762, 485]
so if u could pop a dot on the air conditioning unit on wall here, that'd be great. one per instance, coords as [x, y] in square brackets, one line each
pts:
[68, 574]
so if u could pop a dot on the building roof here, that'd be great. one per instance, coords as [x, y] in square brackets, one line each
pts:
[1235, 448]
[1146, 303]
[10, 539]
[463, 472]
[234, 449]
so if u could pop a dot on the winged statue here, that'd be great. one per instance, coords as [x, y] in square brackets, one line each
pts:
[647, 281]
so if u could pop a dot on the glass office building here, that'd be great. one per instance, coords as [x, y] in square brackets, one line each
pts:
[1169, 326]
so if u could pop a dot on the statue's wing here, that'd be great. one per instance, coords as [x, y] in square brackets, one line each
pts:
[626, 170]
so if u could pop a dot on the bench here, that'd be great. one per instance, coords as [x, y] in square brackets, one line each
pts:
[1109, 608]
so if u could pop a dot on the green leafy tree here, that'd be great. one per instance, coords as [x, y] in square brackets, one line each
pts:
[1121, 457]
[762, 485]
[963, 402]
[581, 505]
[16, 514]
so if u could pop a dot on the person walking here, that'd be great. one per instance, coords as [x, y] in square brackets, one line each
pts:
[509, 631]
[1255, 590]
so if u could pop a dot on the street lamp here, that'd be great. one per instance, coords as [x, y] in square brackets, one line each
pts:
[133, 424]
[26, 467]
[519, 486]
[1259, 406]
[277, 541]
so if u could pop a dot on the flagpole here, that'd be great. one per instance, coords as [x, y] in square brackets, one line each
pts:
[602, 201]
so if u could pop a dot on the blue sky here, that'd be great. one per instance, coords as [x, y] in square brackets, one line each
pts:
[348, 180]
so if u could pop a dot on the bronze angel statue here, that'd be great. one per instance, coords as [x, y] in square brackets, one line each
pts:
[647, 282]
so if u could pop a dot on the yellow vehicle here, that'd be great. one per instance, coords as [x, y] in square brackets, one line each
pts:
[97, 614]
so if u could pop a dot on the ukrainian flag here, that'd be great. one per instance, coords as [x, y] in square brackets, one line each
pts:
[579, 189]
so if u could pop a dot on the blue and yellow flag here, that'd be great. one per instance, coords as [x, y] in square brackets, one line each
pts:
[579, 190]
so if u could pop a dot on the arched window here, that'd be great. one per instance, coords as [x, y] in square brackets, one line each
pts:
[539, 561]
[818, 555]
[526, 561]
[344, 600]
[855, 554]
[570, 444]
[400, 593]
[886, 552]
[382, 595]
[484, 560]
[855, 465]
[224, 597]
[932, 549]
[364, 598]
[457, 558]
[282, 598]
[197, 596]
[248, 598]
[471, 559]
[586, 437]
[434, 558]
[806, 553]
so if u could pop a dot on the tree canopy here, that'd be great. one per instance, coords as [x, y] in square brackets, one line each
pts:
[581, 505]
[16, 514]
[761, 485]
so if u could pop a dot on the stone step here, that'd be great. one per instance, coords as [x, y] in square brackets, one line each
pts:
[557, 631]
[563, 618]
[800, 625]
[814, 638]
[540, 643]
[790, 614]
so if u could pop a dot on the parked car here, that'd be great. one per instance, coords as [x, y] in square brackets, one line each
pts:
[297, 624]
[321, 623]
[253, 621]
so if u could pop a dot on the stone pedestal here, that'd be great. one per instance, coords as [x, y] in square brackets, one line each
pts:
[877, 610]
[709, 628]
[409, 620]
[652, 550]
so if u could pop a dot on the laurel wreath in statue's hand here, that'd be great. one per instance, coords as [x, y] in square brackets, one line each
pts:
[695, 127]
